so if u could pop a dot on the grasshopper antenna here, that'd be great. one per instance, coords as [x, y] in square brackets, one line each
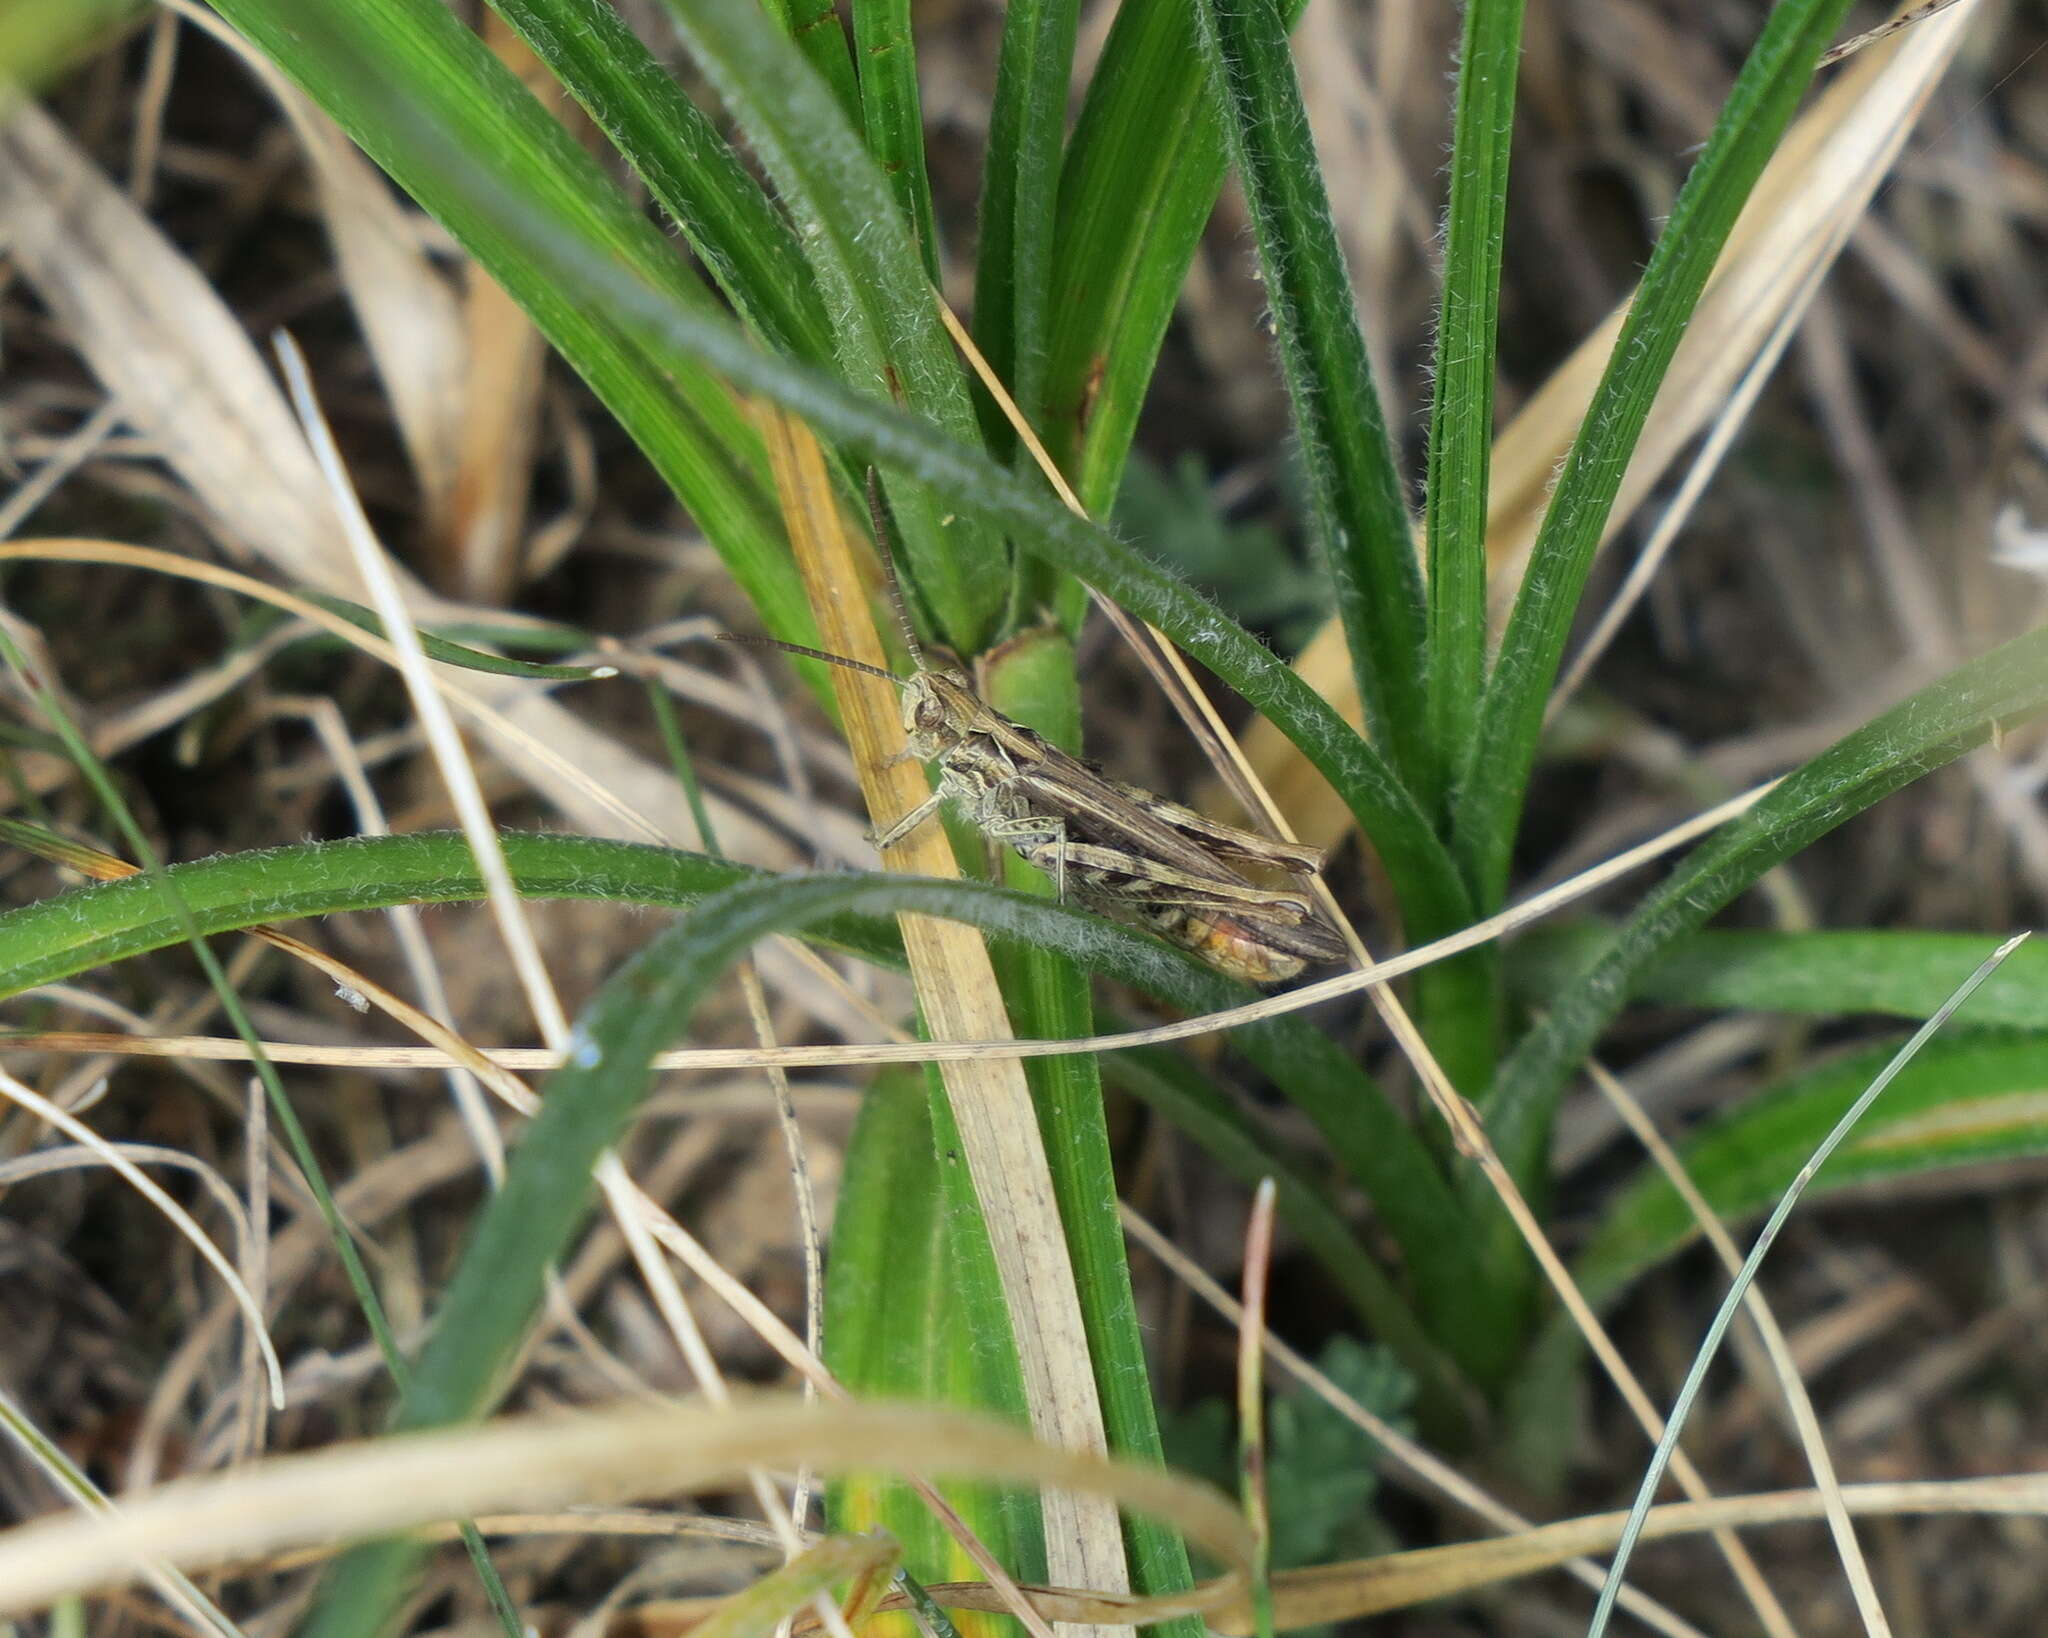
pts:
[878, 515]
[809, 653]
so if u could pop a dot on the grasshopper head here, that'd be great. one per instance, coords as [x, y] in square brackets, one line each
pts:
[939, 707]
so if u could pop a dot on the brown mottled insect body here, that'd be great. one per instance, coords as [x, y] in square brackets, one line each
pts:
[1117, 848]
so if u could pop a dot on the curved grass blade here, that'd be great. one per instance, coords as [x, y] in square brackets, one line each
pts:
[58, 937]
[1489, 789]
[1688, 1393]
[548, 1190]
[745, 243]
[1926, 731]
[891, 345]
[1357, 512]
[457, 654]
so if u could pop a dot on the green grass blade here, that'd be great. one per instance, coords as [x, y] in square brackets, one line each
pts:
[1032, 681]
[1357, 513]
[902, 1321]
[745, 243]
[893, 116]
[1489, 792]
[1820, 974]
[815, 27]
[420, 94]
[1020, 182]
[548, 1191]
[1141, 176]
[449, 652]
[1923, 732]
[58, 937]
[892, 347]
[1965, 1099]
[55, 938]
[1461, 413]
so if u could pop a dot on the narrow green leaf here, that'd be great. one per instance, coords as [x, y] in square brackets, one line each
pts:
[1031, 680]
[1489, 791]
[898, 1326]
[1964, 1100]
[1140, 179]
[457, 654]
[55, 938]
[1461, 413]
[1357, 513]
[69, 933]
[1020, 197]
[1923, 732]
[587, 1104]
[745, 243]
[423, 98]
[1819, 974]
[892, 347]
[893, 116]
[815, 27]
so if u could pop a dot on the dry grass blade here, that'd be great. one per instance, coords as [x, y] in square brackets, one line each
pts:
[75, 1129]
[1822, 178]
[1784, 1366]
[186, 375]
[408, 314]
[482, 547]
[1425, 1473]
[1356, 1588]
[1342, 1592]
[164, 345]
[396, 1484]
[957, 989]
[506, 718]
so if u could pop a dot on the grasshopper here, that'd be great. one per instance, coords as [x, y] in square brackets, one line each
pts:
[1118, 849]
